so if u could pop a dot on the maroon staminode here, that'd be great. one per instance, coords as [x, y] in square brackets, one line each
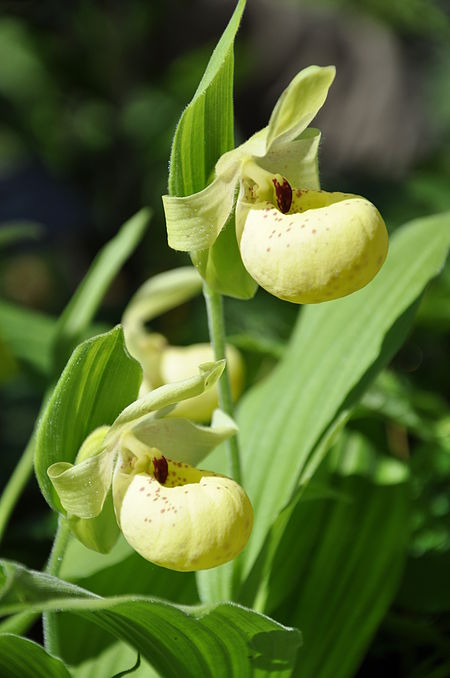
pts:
[284, 195]
[161, 469]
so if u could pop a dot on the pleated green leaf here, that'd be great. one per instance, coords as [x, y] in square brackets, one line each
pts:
[22, 658]
[208, 118]
[99, 380]
[339, 562]
[335, 348]
[114, 659]
[217, 641]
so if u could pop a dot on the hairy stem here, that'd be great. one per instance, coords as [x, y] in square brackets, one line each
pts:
[53, 567]
[216, 324]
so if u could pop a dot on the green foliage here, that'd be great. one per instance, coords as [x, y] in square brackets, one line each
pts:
[216, 640]
[347, 537]
[335, 351]
[99, 380]
[22, 658]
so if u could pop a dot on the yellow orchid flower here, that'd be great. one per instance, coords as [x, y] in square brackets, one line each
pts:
[143, 468]
[299, 243]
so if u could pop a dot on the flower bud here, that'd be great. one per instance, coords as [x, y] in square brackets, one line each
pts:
[181, 362]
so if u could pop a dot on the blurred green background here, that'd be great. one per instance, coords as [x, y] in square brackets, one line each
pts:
[90, 94]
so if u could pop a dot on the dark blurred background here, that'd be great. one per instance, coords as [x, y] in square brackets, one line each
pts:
[90, 94]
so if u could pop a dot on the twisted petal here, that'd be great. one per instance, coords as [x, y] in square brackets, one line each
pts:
[327, 246]
[196, 520]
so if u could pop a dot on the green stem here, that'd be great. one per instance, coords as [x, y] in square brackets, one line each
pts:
[16, 485]
[21, 622]
[216, 324]
[19, 477]
[53, 567]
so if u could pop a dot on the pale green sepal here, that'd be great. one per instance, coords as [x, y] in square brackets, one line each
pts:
[181, 439]
[195, 221]
[100, 533]
[299, 104]
[297, 161]
[170, 394]
[82, 488]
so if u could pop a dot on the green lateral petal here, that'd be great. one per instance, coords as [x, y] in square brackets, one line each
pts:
[296, 161]
[181, 439]
[299, 104]
[195, 221]
[170, 394]
[82, 488]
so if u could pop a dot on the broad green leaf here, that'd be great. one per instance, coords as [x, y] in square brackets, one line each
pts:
[205, 130]
[341, 560]
[336, 349]
[299, 104]
[333, 346]
[81, 309]
[204, 134]
[217, 641]
[120, 572]
[99, 380]
[114, 659]
[170, 394]
[23, 658]
[28, 334]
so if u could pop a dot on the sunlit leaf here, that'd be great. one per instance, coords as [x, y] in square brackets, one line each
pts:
[23, 658]
[99, 380]
[214, 641]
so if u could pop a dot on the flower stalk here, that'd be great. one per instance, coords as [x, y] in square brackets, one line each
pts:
[216, 325]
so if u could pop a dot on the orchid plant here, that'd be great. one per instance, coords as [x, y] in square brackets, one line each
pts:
[285, 489]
